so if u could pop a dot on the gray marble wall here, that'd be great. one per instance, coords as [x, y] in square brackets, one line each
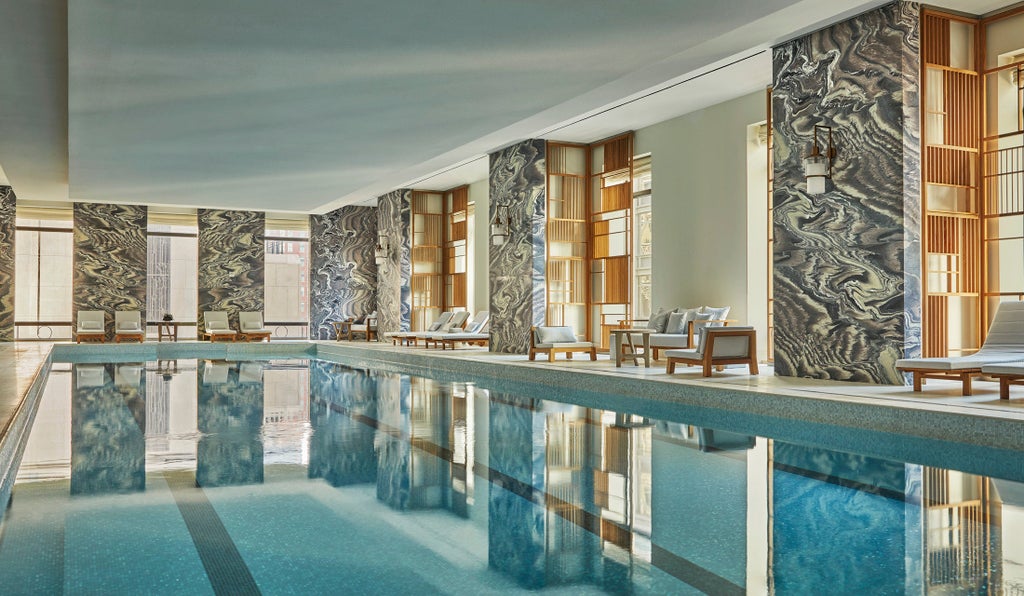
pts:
[394, 279]
[517, 268]
[231, 257]
[342, 270]
[109, 260]
[7, 222]
[847, 263]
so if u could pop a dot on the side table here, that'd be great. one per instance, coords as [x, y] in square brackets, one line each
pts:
[624, 339]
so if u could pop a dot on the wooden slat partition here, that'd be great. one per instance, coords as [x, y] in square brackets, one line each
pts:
[950, 166]
[456, 248]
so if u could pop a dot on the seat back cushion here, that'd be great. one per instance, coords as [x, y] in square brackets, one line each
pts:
[659, 320]
[555, 335]
[441, 321]
[1007, 331]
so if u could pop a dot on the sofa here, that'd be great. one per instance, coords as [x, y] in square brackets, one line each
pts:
[675, 329]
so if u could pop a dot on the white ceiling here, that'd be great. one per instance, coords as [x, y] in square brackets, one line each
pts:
[309, 105]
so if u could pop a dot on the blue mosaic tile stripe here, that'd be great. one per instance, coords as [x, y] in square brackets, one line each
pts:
[517, 268]
[7, 223]
[847, 305]
[225, 568]
[109, 260]
[231, 262]
[343, 274]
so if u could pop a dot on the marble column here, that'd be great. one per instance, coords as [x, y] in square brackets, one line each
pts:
[109, 260]
[7, 223]
[231, 262]
[847, 278]
[517, 268]
[394, 278]
[342, 270]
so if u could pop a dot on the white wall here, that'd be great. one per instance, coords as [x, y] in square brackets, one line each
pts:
[479, 193]
[699, 183]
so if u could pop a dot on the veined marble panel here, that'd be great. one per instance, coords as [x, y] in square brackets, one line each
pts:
[394, 279]
[109, 259]
[517, 268]
[7, 233]
[231, 262]
[342, 269]
[847, 288]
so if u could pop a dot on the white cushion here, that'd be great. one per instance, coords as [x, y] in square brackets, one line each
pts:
[659, 320]
[572, 344]
[670, 340]
[251, 325]
[680, 320]
[1009, 368]
[90, 325]
[957, 363]
[554, 335]
[211, 325]
[717, 313]
[692, 354]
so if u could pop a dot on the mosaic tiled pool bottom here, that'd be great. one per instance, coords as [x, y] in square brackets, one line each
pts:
[307, 477]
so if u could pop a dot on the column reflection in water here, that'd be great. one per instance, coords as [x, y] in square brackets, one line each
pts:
[108, 425]
[230, 451]
[343, 404]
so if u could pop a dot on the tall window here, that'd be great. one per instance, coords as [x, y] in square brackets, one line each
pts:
[287, 278]
[643, 238]
[172, 270]
[44, 245]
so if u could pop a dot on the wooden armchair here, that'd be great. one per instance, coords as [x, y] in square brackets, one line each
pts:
[718, 346]
[553, 340]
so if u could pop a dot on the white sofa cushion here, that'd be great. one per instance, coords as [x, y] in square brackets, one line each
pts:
[555, 335]
[659, 320]
[566, 344]
[680, 320]
[670, 340]
[90, 325]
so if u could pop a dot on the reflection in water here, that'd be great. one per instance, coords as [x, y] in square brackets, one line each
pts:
[230, 417]
[557, 494]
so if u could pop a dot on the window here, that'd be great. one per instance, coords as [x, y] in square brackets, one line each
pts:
[286, 277]
[44, 245]
[172, 270]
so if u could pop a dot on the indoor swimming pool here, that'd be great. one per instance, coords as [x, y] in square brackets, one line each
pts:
[304, 476]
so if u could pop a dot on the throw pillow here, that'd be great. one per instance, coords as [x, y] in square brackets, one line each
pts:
[251, 325]
[699, 323]
[717, 314]
[359, 320]
[129, 326]
[91, 325]
[659, 321]
[680, 320]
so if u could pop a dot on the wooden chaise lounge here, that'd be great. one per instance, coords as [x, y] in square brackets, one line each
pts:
[1004, 343]
[1009, 373]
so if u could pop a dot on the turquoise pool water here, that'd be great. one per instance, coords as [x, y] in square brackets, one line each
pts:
[309, 477]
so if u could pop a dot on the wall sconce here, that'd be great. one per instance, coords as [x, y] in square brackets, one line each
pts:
[818, 165]
[380, 252]
[500, 226]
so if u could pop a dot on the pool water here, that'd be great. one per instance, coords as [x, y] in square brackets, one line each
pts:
[308, 477]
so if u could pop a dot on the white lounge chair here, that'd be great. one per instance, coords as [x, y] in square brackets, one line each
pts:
[554, 340]
[717, 347]
[250, 327]
[91, 326]
[1009, 373]
[1004, 343]
[474, 333]
[128, 325]
[403, 338]
[215, 326]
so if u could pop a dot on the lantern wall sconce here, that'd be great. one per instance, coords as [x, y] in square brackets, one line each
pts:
[381, 252]
[500, 226]
[818, 165]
